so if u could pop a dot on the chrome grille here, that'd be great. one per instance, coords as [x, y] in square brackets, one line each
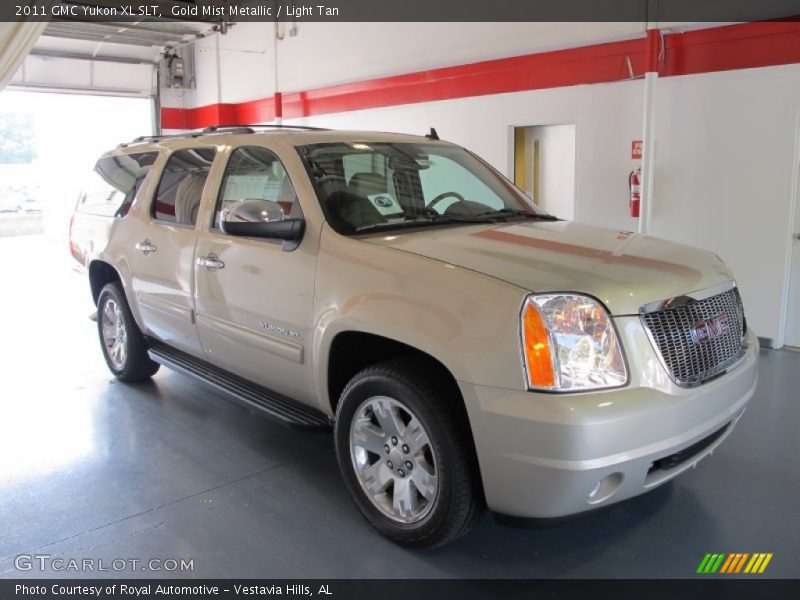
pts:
[690, 358]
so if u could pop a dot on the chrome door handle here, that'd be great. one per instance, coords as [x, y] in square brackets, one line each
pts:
[145, 247]
[210, 262]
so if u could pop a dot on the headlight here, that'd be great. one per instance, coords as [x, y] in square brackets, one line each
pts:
[570, 344]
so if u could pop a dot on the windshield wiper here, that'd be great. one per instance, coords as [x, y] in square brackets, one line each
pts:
[428, 219]
[515, 212]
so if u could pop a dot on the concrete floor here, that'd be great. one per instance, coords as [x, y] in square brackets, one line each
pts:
[91, 468]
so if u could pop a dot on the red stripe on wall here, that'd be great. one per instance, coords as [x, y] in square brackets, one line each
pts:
[745, 46]
[589, 64]
[726, 48]
[173, 118]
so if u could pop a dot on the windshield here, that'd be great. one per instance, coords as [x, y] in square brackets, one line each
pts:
[371, 186]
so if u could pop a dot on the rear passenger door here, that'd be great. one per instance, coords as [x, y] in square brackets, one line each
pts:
[162, 253]
[255, 297]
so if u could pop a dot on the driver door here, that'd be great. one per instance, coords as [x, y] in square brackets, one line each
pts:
[255, 297]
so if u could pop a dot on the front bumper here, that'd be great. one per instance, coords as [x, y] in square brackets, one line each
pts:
[552, 455]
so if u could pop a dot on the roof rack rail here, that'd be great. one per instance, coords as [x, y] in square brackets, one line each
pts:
[216, 128]
[157, 138]
[227, 129]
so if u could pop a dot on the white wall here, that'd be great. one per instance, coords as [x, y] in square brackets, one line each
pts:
[329, 53]
[725, 146]
[607, 118]
[725, 160]
[247, 66]
[725, 142]
[324, 54]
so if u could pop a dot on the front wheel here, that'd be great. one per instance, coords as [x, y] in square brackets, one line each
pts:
[123, 344]
[405, 454]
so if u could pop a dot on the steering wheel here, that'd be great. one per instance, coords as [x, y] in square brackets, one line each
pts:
[444, 195]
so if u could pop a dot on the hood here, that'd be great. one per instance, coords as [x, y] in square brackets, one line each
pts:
[625, 270]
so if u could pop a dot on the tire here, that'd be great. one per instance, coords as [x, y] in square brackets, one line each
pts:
[415, 393]
[128, 360]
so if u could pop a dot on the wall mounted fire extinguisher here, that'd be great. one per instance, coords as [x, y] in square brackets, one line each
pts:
[635, 191]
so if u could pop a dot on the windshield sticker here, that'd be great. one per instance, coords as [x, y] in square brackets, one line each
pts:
[385, 204]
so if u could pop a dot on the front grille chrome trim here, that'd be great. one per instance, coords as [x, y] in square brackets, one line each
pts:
[668, 325]
[690, 298]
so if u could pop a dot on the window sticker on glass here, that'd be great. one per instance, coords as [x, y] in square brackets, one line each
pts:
[385, 204]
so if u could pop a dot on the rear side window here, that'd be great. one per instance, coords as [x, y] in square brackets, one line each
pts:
[114, 183]
[180, 190]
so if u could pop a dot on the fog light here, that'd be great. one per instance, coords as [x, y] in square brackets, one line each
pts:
[605, 488]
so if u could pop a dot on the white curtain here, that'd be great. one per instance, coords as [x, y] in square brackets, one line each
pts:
[16, 40]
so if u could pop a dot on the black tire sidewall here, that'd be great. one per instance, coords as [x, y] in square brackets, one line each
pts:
[374, 383]
[138, 365]
[111, 292]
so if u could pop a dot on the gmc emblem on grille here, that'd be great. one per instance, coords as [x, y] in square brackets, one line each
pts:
[706, 331]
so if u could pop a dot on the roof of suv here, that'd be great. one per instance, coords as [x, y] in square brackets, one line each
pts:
[244, 135]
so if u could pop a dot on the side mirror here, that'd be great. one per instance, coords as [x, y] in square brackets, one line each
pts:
[262, 219]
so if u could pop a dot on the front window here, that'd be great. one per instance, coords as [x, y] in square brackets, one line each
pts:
[365, 187]
[257, 175]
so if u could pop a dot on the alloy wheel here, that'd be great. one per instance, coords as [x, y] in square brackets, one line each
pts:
[394, 459]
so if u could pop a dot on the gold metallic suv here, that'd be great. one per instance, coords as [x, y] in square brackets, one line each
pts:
[467, 348]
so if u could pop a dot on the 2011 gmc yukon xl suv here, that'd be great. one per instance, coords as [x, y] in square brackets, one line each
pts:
[467, 348]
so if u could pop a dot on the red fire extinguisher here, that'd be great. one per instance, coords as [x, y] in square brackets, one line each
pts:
[635, 190]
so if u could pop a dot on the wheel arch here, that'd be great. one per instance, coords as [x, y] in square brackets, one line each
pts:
[351, 351]
[101, 274]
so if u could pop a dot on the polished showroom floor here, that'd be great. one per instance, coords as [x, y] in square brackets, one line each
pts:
[91, 468]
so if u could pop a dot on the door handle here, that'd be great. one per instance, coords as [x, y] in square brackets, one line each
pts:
[146, 247]
[797, 236]
[211, 262]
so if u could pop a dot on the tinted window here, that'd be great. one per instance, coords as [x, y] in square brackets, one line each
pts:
[366, 186]
[445, 174]
[255, 173]
[114, 183]
[180, 190]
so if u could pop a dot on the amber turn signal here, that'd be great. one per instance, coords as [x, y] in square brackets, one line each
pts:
[538, 357]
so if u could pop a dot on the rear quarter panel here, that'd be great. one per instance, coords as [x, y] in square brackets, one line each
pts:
[110, 239]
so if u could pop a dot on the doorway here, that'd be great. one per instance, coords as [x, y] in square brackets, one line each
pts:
[544, 166]
[49, 143]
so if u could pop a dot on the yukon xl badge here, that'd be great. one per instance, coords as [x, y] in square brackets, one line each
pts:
[272, 328]
[705, 331]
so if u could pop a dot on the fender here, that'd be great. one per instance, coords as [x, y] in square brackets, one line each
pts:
[332, 325]
[466, 320]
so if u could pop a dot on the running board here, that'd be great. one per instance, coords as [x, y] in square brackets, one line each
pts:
[275, 405]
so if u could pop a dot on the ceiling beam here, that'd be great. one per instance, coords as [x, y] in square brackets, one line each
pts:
[100, 58]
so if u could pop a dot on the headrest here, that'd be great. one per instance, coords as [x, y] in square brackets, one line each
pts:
[366, 184]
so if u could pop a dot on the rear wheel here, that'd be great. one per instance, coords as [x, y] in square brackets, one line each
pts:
[405, 454]
[123, 344]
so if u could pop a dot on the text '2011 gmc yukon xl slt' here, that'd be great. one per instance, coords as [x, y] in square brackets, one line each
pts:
[468, 349]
